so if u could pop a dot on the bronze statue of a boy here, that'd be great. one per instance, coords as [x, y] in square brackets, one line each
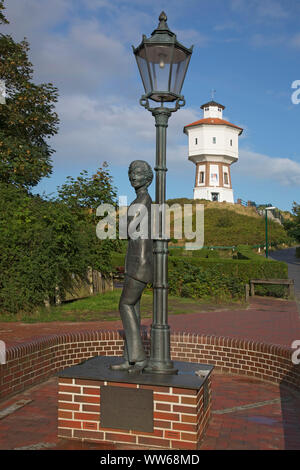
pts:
[138, 268]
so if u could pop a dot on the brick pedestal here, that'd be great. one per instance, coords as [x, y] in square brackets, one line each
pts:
[180, 408]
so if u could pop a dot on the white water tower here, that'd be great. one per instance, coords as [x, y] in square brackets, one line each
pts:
[213, 147]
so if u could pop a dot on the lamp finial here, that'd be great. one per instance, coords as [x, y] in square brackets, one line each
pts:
[162, 21]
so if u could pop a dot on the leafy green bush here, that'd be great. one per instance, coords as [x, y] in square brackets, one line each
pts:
[118, 259]
[203, 253]
[213, 254]
[43, 246]
[246, 252]
[222, 278]
[217, 279]
[203, 280]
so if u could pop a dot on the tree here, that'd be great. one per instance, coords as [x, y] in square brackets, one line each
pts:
[293, 226]
[85, 193]
[82, 196]
[48, 243]
[42, 247]
[27, 119]
[3, 20]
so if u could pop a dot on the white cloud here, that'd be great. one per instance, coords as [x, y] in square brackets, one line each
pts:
[227, 26]
[284, 171]
[191, 36]
[263, 40]
[295, 40]
[83, 55]
[271, 9]
[85, 59]
[28, 16]
[93, 131]
[262, 9]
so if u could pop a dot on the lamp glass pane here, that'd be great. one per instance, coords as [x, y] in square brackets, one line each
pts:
[178, 72]
[159, 58]
[143, 68]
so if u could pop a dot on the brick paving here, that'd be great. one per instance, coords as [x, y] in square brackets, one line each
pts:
[260, 426]
[247, 414]
[268, 320]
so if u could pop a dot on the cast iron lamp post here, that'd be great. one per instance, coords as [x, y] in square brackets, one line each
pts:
[267, 241]
[162, 62]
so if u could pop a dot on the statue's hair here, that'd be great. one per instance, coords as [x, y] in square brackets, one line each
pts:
[148, 170]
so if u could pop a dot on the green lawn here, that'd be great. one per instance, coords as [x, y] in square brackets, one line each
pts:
[104, 307]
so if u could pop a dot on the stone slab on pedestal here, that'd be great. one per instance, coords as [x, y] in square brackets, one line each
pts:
[164, 411]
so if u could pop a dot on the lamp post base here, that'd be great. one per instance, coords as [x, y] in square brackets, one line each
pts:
[160, 361]
[160, 368]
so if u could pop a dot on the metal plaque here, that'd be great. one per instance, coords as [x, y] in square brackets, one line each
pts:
[126, 408]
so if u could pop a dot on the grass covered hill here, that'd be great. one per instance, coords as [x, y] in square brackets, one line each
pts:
[228, 224]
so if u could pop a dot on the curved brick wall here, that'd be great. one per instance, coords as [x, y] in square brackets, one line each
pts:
[34, 362]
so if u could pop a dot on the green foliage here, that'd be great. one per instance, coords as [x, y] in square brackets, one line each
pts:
[27, 119]
[213, 254]
[216, 278]
[41, 246]
[224, 226]
[45, 243]
[293, 226]
[203, 280]
[246, 252]
[3, 20]
[118, 260]
[220, 279]
[203, 253]
[85, 193]
[82, 196]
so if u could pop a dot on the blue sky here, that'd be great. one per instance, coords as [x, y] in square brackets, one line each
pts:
[247, 50]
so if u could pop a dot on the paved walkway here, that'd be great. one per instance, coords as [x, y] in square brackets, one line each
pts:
[247, 414]
[289, 256]
[267, 320]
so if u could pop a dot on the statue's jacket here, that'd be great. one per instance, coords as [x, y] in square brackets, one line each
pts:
[139, 257]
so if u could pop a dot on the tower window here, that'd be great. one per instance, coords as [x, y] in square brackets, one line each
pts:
[201, 177]
[231, 142]
[219, 109]
[206, 109]
[196, 141]
[214, 140]
[226, 180]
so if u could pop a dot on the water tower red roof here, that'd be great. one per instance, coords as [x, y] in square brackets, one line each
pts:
[213, 121]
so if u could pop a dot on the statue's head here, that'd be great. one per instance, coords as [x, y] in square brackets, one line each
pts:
[140, 174]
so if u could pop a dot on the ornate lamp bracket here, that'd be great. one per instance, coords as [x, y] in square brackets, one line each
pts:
[180, 102]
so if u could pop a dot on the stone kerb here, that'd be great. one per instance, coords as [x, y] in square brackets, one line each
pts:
[34, 362]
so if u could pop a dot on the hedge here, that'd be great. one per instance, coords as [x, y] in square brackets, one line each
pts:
[219, 279]
[245, 252]
[222, 278]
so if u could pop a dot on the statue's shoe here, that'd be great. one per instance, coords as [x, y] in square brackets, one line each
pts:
[138, 366]
[123, 366]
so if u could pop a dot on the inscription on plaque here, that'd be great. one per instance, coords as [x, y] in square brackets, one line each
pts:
[125, 408]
